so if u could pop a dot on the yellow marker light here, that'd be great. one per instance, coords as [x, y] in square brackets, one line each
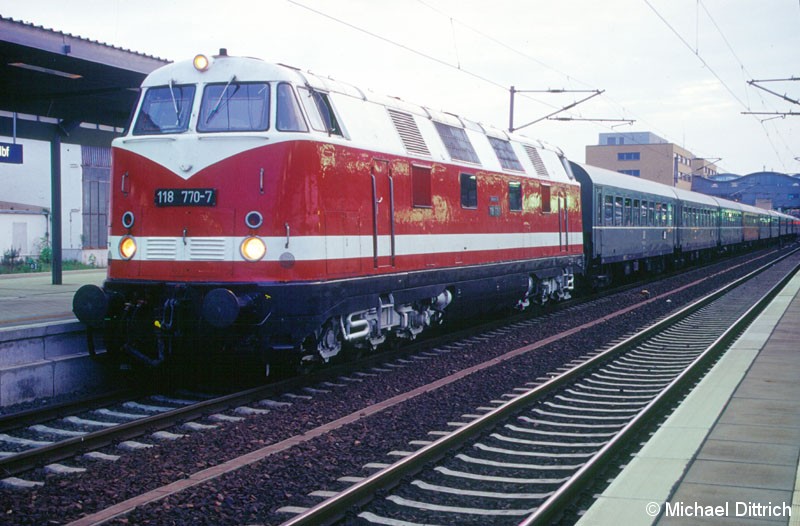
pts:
[200, 62]
[253, 248]
[127, 247]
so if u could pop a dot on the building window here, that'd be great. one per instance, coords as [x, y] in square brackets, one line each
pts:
[635, 173]
[421, 186]
[96, 165]
[628, 156]
[505, 154]
[469, 191]
[515, 196]
[457, 143]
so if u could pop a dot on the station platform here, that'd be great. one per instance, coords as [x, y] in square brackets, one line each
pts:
[30, 299]
[43, 347]
[729, 453]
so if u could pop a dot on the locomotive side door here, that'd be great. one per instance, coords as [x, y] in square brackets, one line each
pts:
[563, 223]
[383, 240]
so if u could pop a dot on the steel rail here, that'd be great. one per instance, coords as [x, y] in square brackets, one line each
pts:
[28, 417]
[569, 491]
[334, 508]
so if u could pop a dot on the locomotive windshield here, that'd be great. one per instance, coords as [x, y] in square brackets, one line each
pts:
[234, 107]
[165, 109]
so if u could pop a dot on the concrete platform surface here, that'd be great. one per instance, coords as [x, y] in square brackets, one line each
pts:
[729, 454]
[31, 299]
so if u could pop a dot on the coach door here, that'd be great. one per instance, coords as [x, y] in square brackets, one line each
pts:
[383, 242]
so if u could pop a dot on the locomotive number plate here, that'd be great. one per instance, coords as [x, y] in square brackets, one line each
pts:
[186, 197]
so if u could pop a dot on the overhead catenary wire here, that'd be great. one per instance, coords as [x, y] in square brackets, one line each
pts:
[458, 66]
[714, 73]
[405, 47]
[459, 63]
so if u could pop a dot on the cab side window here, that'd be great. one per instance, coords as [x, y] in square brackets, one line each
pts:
[289, 117]
[319, 110]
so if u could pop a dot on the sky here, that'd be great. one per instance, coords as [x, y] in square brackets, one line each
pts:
[677, 68]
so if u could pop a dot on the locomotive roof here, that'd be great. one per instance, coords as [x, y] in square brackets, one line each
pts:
[223, 67]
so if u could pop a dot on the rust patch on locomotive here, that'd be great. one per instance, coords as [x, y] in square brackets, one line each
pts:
[327, 156]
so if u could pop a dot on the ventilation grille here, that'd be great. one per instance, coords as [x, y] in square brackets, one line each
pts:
[409, 133]
[533, 155]
[161, 249]
[207, 249]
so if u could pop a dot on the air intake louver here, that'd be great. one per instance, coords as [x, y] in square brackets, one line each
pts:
[409, 133]
[533, 155]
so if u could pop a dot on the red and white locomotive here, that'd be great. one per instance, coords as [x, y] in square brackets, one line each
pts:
[258, 207]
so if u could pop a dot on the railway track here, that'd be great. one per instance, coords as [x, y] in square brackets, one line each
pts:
[527, 460]
[370, 373]
[76, 429]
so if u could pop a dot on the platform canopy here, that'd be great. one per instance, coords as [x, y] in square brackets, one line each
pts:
[58, 81]
[49, 73]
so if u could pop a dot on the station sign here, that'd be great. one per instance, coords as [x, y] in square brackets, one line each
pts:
[10, 153]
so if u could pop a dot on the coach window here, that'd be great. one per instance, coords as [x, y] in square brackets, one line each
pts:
[651, 214]
[608, 211]
[599, 209]
[617, 211]
[515, 196]
[469, 191]
[421, 186]
[628, 212]
[636, 214]
[289, 117]
[644, 214]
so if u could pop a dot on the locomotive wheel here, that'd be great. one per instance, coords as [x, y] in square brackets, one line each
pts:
[329, 342]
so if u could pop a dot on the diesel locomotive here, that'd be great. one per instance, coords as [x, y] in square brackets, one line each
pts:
[259, 208]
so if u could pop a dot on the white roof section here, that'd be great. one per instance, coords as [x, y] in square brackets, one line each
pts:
[601, 176]
[694, 197]
[221, 69]
[367, 123]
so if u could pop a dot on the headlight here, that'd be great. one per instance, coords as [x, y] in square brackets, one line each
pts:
[127, 247]
[253, 248]
[200, 62]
